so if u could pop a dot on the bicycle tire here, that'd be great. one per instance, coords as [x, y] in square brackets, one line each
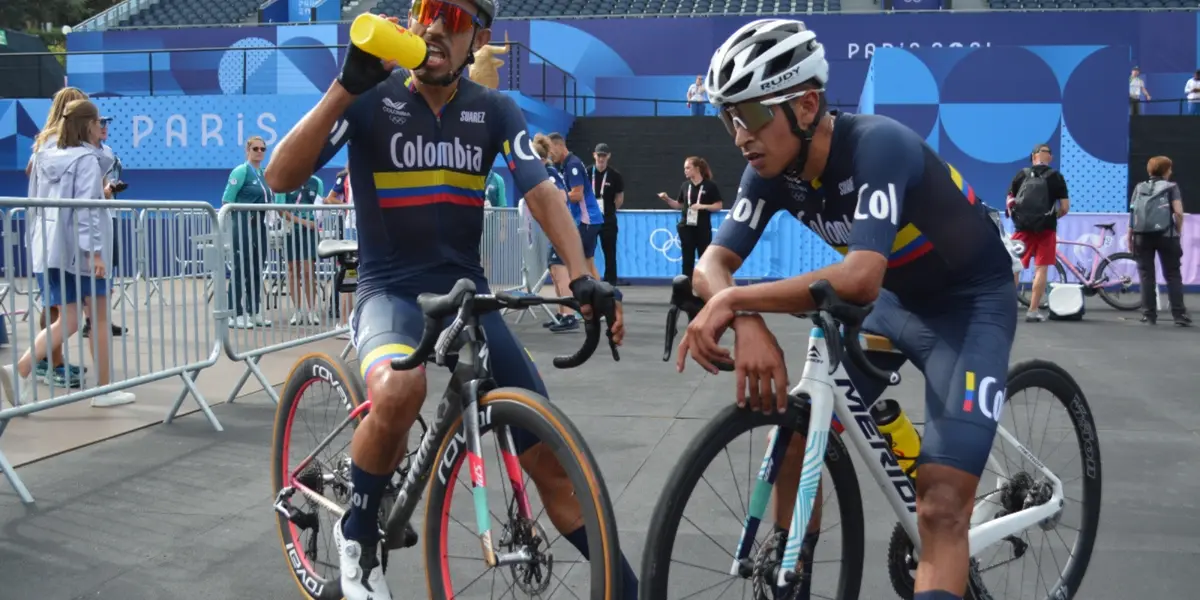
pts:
[309, 369]
[1108, 299]
[1023, 292]
[516, 407]
[727, 425]
[1049, 376]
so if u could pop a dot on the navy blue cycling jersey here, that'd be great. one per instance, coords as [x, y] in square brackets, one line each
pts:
[884, 190]
[419, 180]
[575, 174]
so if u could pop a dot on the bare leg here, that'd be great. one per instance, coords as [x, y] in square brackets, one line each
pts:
[945, 498]
[63, 327]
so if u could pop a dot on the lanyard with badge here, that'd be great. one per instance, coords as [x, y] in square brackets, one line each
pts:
[599, 193]
[262, 185]
[693, 210]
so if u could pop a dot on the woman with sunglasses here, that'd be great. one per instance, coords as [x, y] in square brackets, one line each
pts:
[421, 143]
[248, 186]
[917, 243]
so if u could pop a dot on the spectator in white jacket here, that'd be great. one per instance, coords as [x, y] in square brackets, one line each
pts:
[74, 260]
[53, 369]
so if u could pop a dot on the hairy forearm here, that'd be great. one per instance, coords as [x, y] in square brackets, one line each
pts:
[296, 155]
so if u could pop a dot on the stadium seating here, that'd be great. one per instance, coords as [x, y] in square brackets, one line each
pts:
[193, 12]
[1087, 4]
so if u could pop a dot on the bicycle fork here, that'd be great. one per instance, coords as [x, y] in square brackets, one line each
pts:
[810, 479]
[512, 466]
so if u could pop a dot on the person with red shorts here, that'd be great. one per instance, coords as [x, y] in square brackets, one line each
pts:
[1037, 198]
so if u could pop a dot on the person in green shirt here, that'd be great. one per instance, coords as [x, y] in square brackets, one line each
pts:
[301, 244]
[247, 186]
[495, 193]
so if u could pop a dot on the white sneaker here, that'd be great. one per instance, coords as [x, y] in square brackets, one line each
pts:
[361, 574]
[18, 390]
[314, 318]
[111, 399]
[296, 318]
[241, 322]
[261, 321]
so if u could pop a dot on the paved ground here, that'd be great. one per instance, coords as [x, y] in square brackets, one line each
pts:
[180, 512]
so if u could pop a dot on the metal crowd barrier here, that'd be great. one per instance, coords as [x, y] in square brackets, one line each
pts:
[189, 283]
[272, 251]
[176, 337]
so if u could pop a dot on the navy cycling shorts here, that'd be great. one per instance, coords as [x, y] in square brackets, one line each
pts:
[388, 326]
[588, 234]
[962, 346]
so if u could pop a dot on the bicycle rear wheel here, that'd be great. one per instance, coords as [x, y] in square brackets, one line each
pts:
[307, 539]
[500, 410]
[664, 549]
[1119, 269]
[1023, 486]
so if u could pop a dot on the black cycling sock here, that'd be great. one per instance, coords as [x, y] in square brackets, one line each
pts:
[362, 524]
[936, 595]
[578, 538]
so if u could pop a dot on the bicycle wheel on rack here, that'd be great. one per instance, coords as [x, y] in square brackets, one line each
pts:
[321, 392]
[1119, 274]
[1018, 483]
[519, 524]
[700, 559]
[1055, 274]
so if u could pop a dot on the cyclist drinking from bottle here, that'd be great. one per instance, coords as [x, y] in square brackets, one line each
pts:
[421, 144]
[917, 242]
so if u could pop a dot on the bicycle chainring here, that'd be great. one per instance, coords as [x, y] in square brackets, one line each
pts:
[902, 567]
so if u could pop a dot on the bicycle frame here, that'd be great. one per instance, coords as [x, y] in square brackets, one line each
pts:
[472, 379]
[833, 395]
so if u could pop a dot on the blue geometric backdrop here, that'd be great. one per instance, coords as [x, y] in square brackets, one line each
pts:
[983, 110]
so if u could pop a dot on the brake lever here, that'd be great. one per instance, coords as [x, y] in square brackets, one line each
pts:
[672, 331]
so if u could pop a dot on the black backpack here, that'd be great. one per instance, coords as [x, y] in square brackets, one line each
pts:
[1034, 208]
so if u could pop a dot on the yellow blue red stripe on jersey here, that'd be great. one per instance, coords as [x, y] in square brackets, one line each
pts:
[969, 401]
[382, 357]
[910, 244]
[433, 186]
[508, 156]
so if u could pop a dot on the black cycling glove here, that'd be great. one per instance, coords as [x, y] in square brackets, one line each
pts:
[361, 71]
[597, 294]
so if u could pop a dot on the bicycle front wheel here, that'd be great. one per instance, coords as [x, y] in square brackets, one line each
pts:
[520, 527]
[701, 559]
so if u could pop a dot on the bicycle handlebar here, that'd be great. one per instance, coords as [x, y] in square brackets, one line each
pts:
[466, 305]
[832, 312]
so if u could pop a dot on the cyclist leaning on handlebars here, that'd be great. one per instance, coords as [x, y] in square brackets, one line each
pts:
[917, 242]
[421, 146]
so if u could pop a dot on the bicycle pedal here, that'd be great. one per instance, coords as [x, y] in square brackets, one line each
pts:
[407, 539]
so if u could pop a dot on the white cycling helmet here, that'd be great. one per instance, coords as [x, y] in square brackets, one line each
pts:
[762, 58]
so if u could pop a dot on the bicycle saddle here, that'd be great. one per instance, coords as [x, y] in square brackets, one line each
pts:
[328, 248]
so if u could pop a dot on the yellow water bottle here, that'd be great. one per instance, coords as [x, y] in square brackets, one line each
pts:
[386, 40]
[900, 433]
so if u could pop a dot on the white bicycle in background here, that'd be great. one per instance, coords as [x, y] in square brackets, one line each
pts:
[711, 555]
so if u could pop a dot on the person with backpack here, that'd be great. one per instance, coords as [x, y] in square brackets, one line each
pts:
[1037, 199]
[1155, 228]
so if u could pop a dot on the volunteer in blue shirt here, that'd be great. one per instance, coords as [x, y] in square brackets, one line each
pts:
[247, 186]
[583, 205]
[566, 319]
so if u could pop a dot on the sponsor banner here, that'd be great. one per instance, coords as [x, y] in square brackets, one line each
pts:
[649, 245]
[210, 132]
[603, 54]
